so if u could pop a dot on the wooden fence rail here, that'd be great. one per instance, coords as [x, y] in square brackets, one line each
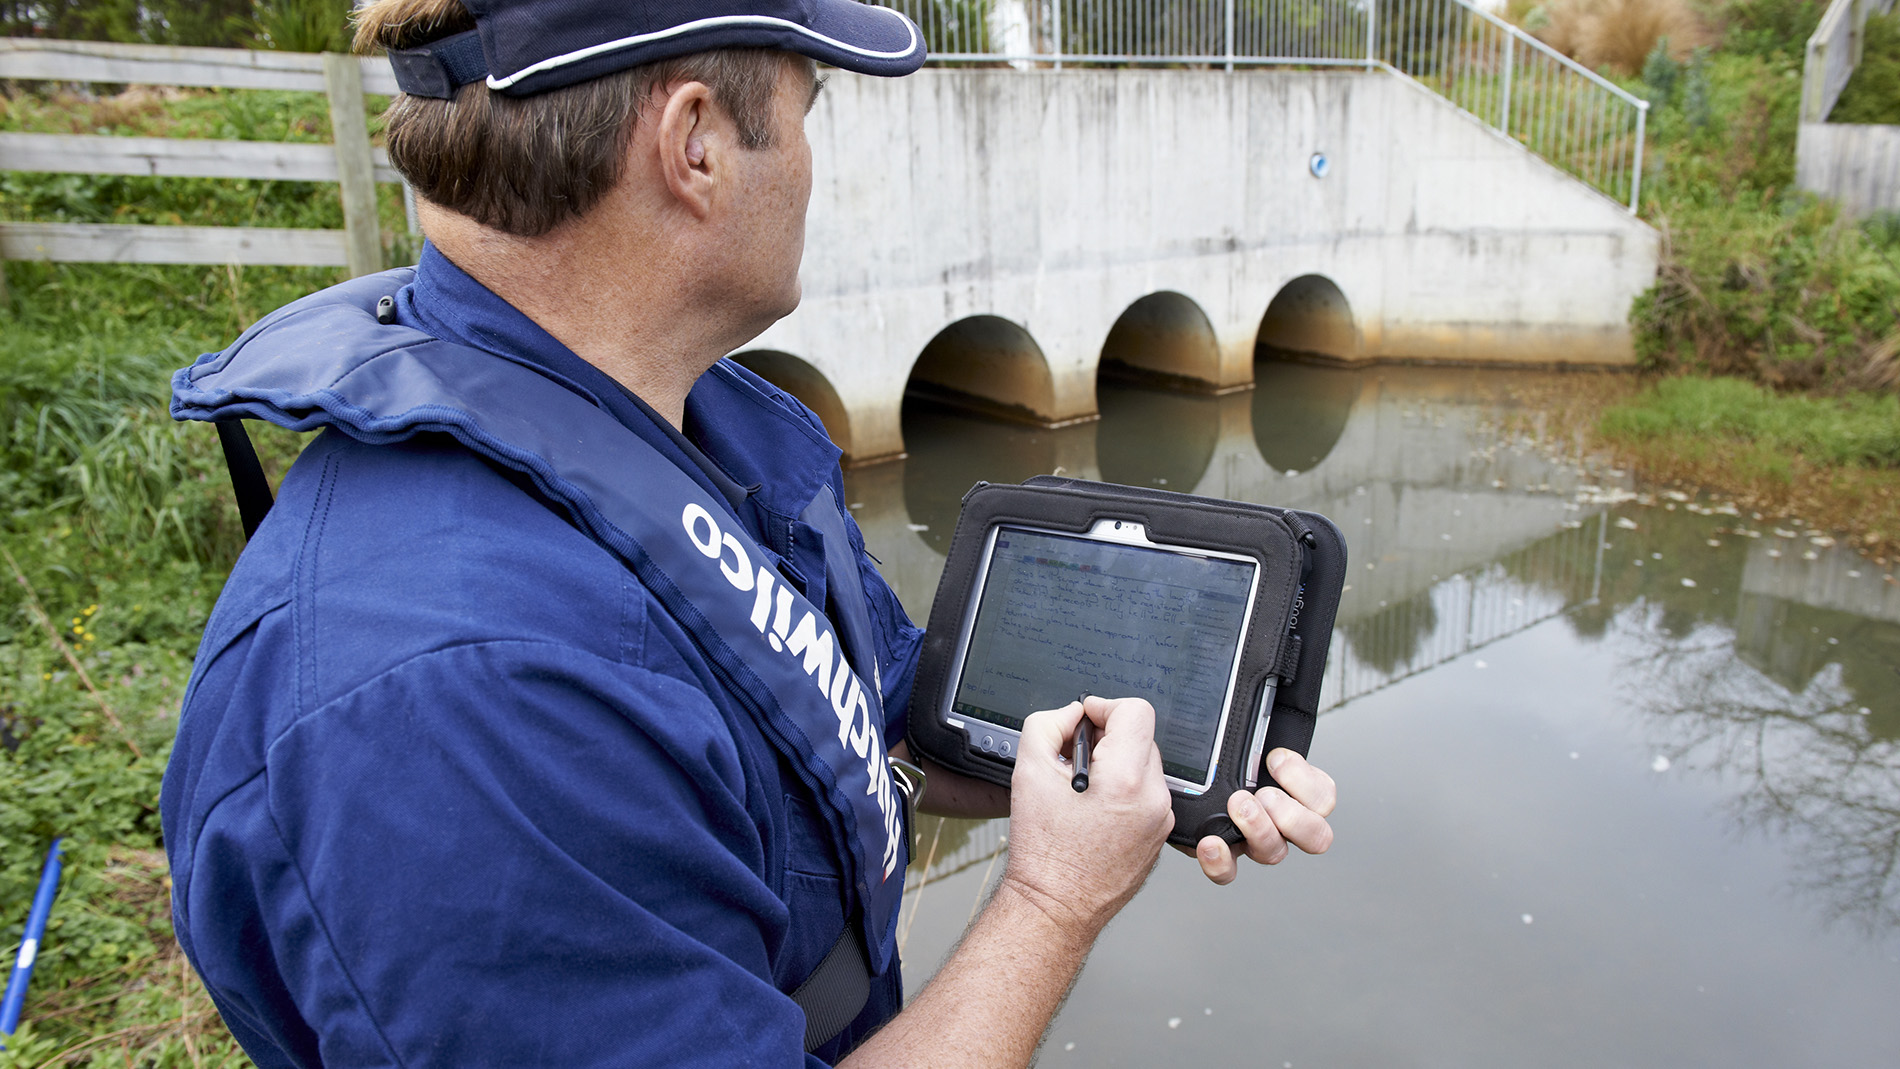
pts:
[349, 160]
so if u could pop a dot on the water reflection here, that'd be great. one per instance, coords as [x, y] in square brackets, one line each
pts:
[1763, 668]
[1131, 452]
[1299, 411]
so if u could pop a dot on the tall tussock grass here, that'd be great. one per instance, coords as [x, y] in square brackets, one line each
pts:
[1618, 35]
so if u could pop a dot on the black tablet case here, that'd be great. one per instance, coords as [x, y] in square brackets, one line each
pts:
[1293, 548]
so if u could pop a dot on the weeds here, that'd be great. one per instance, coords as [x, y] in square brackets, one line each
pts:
[1757, 279]
[1873, 93]
[118, 531]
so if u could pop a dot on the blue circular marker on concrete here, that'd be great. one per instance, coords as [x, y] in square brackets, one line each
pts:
[1319, 165]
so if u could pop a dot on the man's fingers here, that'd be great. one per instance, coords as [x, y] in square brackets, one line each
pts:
[1044, 732]
[1125, 722]
[1264, 841]
[1308, 785]
[1297, 824]
[1217, 861]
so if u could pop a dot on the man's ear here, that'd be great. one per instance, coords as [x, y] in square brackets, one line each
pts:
[688, 144]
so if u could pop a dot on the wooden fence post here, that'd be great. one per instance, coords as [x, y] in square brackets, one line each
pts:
[356, 173]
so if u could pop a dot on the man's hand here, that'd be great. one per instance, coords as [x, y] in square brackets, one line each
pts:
[1074, 860]
[1081, 856]
[1272, 818]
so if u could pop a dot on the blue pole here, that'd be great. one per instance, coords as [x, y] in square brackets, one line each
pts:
[30, 946]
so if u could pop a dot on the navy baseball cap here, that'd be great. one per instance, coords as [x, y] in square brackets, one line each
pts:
[523, 47]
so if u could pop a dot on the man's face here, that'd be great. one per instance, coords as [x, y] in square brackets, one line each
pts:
[773, 192]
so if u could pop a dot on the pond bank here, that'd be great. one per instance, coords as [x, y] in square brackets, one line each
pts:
[1825, 464]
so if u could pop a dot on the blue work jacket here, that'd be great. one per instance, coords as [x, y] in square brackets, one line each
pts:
[452, 787]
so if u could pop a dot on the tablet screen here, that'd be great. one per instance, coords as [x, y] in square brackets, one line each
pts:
[1061, 615]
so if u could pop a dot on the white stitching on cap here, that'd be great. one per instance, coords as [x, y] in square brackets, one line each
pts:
[721, 20]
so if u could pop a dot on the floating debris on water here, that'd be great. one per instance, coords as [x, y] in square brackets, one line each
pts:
[1527, 918]
[1174, 1022]
[918, 526]
[1715, 541]
[1070, 1045]
[1686, 581]
[1207, 1011]
[1479, 664]
[1660, 764]
[1574, 755]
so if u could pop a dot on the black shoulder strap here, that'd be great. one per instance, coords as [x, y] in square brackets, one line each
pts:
[247, 475]
[836, 991]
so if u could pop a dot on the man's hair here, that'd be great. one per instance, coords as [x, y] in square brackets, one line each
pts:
[524, 165]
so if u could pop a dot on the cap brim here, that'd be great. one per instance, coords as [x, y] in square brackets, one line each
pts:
[843, 33]
[863, 38]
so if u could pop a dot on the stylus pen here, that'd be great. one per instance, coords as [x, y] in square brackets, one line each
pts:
[1083, 740]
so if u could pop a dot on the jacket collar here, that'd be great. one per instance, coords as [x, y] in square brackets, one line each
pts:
[757, 437]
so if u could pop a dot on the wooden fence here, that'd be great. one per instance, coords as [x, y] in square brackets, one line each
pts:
[350, 161]
[1859, 166]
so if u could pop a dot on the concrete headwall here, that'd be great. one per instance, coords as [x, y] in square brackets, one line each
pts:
[1053, 201]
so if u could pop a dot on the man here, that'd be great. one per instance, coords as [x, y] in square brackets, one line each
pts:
[543, 720]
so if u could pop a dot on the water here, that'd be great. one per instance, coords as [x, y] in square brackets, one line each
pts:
[1608, 796]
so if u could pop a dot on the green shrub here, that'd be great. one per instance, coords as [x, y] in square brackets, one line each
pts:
[1756, 280]
[1873, 93]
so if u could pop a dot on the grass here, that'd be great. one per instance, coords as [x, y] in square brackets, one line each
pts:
[117, 532]
[1856, 430]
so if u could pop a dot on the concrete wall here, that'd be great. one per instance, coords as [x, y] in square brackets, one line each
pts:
[1055, 200]
[1857, 165]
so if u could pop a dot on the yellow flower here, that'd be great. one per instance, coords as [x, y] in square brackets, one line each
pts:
[78, 628]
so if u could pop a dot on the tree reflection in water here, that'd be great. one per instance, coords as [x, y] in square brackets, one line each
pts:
[1811, 767]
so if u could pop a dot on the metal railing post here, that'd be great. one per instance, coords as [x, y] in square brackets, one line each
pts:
[1230, 35]
[1056, 7]
[1636, 169]
[1372, 33]
[355, 168]
[1510, 62]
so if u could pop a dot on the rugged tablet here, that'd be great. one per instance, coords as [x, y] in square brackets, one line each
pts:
[1205, 608]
